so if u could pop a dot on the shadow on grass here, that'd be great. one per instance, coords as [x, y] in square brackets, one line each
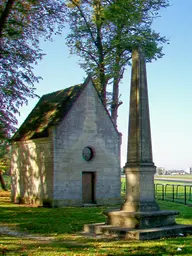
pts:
[79, 246]
[50, 220]
[63, 224]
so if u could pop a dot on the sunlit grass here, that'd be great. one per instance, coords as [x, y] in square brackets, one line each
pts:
[68, 245]
[62, 227]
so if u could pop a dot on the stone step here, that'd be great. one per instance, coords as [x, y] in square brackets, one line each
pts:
[140, 220]
[98, 229]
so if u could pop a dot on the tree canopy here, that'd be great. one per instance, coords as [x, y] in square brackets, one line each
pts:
[22, 24]
[104, 33]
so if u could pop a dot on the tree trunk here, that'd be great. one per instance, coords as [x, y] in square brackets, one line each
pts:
[115, 101]
[101, 65]
[5, 15]
[118, 73]
[2, 181]
[103, 84]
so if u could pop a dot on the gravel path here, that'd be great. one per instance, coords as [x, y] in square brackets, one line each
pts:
[10, 232]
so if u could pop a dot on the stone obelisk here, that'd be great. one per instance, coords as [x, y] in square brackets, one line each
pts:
[140, 209]
[139, 168]
[140, 216]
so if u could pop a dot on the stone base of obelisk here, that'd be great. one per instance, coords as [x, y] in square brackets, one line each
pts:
[102, 230]
[140, 217]
[140, 220]
[138, 225]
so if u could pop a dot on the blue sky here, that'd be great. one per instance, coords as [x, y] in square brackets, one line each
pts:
[169, 85]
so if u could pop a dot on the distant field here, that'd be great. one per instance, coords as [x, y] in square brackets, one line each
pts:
[182, 177]
[163, 182]
[168, 177]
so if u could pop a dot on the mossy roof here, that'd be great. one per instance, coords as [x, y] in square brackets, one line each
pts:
[49, 111]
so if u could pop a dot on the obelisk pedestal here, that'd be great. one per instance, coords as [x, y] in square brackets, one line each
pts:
[139, 216]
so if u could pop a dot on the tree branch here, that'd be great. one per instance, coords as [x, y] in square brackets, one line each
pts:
[88, 52]
[5, 15]
[86, 22]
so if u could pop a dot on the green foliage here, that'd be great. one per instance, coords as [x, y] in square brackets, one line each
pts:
[104, 33]
[22, 24]
[5, 158]
[7, 179]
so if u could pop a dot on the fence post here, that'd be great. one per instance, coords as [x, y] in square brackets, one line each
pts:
[185, 195]
[173, 196]
[163, 197]
[177, 186]
[166, 190]
[190, 193]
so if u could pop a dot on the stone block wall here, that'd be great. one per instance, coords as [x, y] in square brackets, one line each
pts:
[86, 124]
[32, 171]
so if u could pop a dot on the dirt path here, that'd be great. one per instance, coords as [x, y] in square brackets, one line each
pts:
[4, 230]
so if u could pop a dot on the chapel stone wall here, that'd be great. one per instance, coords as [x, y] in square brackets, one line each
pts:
[87, 124]
[32, 171]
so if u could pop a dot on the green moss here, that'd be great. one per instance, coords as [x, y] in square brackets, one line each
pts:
[49, 111]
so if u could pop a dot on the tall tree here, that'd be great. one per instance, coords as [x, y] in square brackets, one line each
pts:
[22, 24]
[104, 33]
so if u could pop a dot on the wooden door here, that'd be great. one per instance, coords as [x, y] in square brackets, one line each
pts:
[88, 187]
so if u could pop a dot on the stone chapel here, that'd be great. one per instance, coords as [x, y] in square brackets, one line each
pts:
[67, 151]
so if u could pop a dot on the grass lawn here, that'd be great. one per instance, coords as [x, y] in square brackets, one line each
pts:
[56, 231]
